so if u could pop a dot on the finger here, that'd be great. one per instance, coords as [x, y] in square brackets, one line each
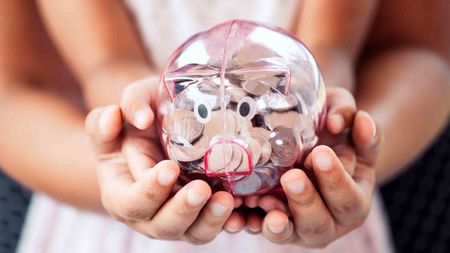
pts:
[252, 201]
[277, 227]
[346, 200]
[341, 109]
[269, 203]
[103, 125]
[347, 156]
[366, 137]
[235, 222]
[237, 202]
[174, 218]
[254, 222]
[211, 219]
[136, 100]
[139, 200]
[140, 154]
[313, 222]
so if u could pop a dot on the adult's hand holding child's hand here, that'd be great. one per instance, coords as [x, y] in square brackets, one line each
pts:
[137, 185]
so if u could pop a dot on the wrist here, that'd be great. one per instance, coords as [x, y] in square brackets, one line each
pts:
[336, 66]
[104, 84]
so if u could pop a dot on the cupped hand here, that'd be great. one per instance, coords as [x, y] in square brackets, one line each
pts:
[138, 187]
[332, 195]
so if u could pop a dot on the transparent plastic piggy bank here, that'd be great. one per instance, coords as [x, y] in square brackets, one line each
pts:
[240, 104]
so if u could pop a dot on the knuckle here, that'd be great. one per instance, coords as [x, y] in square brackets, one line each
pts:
[349, 206]
[134, 213]
[164, 232]
[197, 239]
[316, 229]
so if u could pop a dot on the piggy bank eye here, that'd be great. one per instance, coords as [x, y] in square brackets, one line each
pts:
[202, 111]
[246, 108]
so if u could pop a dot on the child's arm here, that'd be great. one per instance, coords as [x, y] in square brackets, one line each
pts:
[335, 31]
[100, 43]
[42, 139]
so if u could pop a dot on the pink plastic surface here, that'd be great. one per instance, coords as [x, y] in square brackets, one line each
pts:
[233, 78]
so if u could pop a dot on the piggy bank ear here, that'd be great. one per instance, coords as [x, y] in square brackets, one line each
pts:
[178, 80]
[266, 72]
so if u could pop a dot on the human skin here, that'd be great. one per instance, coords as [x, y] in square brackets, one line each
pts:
[108, 62]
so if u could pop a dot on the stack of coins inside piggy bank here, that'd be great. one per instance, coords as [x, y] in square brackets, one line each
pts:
[240, 104]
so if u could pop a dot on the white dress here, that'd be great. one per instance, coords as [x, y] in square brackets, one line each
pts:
[52, 226]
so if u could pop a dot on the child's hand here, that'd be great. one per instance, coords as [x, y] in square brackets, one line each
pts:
[137, 184]
[337, 195]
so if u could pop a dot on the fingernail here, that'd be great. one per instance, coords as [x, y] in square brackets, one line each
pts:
[165, 177]
[296, 186]
[195, 199]
[338, 121]
[323, 161]
[374, 129]
[218, 210]
[140, 117]
[277, 229]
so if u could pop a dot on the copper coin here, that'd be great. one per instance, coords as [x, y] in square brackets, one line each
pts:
[236, 158]
[241, 124]
[284, 147]
[188, 153]
[260, 131]
[265, 147]
[280, 102]
[290, 119]
[182, 125]
[255, 149]
[221, 123]
[220, 157]
[243, 166]
[255, 87]
[236, 93]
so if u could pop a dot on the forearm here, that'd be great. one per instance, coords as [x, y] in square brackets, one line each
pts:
[335, 31]
[43, 145]
[408, 94]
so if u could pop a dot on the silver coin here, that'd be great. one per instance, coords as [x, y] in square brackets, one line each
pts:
[247, 185]
[284, 147]
[280, 102]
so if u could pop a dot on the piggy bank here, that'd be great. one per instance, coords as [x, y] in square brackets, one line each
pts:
[239, 105]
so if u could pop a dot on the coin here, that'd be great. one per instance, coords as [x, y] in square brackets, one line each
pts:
[265, 147]
[255, 149]
[188, 153]
[243, 166]
[284, 147]
[290, 119]
[182, 126]
[221, 124]
[236, 159]
[280, 102]
[255, 87]
[236, 93]
[220, 157]
[247, 185]
[260, 131]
